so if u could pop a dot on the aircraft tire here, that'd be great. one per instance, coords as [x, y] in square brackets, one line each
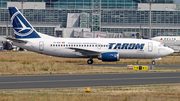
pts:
[90, 61]
[153, 62]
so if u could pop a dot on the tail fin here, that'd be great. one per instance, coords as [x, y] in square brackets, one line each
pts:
[22, 28]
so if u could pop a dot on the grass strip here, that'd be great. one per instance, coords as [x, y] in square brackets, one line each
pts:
[30, 63]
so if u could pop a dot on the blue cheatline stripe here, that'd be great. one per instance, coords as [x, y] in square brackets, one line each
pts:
[22, 28]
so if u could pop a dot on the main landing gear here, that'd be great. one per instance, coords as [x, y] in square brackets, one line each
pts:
[90, 61]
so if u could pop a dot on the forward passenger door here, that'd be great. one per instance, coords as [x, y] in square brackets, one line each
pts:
[150, 46]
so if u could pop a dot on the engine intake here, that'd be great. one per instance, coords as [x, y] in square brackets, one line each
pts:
[109, 56]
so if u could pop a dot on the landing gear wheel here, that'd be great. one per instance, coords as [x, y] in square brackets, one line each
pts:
[90, 61]
[153, 62]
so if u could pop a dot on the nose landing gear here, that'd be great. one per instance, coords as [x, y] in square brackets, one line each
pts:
[153, 62]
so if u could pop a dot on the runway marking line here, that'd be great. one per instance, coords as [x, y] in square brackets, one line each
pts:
[88, 80]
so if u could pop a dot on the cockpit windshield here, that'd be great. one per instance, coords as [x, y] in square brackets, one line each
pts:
[161, 45]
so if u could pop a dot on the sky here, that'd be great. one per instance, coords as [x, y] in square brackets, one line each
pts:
[177, 1]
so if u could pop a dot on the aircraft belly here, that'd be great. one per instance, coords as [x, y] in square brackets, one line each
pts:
[69, 53]
[131, 54]
[26, 46]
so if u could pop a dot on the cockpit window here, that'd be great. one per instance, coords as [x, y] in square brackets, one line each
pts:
[162, 45]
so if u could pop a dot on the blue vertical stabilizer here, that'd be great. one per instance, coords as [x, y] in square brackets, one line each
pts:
[22, 28]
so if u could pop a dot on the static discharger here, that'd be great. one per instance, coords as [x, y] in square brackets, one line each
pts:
[88, 90]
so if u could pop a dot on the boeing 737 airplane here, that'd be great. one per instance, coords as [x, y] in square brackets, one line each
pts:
[106, 49]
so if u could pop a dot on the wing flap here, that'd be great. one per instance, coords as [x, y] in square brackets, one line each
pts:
[86, 52]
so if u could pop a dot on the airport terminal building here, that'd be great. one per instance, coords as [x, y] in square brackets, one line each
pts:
[57, 17]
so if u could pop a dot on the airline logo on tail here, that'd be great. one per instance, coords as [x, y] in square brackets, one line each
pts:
[22, 27]
[19, 27]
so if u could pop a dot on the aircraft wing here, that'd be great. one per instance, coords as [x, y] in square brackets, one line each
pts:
[86, 52]
[16, 40]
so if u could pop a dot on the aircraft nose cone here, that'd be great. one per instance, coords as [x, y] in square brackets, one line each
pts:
[170, 51]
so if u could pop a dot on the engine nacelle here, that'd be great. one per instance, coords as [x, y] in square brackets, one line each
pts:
[109, 56]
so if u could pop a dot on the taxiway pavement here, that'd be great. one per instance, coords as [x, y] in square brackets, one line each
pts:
[86, 80]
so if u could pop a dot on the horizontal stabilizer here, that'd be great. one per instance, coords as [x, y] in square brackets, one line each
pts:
[16, 40]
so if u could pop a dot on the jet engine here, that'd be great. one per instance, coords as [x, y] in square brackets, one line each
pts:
[109, 56]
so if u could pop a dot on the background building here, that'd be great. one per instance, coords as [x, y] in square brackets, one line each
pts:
[52, 17]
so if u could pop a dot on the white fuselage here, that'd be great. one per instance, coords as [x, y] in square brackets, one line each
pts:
[64, 47]
[106, 49]
[168, 40]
